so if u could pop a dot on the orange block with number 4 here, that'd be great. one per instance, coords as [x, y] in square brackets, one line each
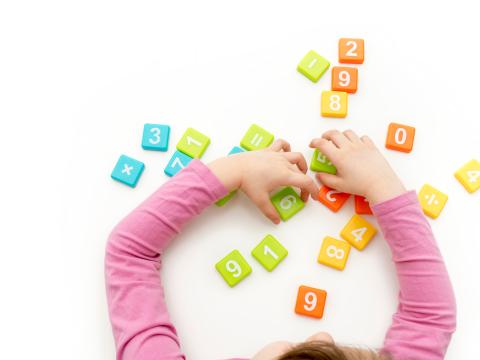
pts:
[332, 199]
[310, 301]
[400, 137]
[345, 79]
[362, 206]
[351, 51]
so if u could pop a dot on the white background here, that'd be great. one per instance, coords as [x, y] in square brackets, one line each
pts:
[79, 79]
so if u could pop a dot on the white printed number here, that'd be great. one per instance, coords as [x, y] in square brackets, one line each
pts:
[351, 51]
[358, 233]
[323, 159]
[400, 136]
[156, 136]
[310, 301]
[330, 194]
[473, 175]
[191, 141]
[234, 268]
[344, 78]
[335, 102]
[334, 252]
[287, 202]
[268, 251]
[177, 162]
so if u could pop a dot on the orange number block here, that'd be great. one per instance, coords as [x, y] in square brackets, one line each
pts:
[332, 199]
[362, 206]
[345, 79]
[310, 302]
[351, 51]
[334, 253]
[400, 137]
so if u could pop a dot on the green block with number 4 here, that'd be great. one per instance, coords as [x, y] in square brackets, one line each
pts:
[320, 163]
[313, 66]
[287, 202]
[233, 268]
[269, 252]
[256, 138]
[193, 143]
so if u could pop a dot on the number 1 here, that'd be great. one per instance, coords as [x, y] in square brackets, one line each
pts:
[191, 140]
[267, 250]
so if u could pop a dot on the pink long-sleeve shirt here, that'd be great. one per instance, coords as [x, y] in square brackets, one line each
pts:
[421, 327]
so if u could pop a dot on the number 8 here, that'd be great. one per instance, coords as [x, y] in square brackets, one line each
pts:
[335, 102]
[334, 252]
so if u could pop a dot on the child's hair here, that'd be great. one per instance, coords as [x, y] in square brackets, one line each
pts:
[320, 350]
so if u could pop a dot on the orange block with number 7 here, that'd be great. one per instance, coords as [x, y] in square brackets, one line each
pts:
[332, 199]
[345, 78]
[310, 301]
[351, 51]
[400, 137]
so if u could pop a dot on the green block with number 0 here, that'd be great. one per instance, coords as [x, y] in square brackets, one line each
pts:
[320, 163]
[256, 138]
[193, 143]
[233, 268]
[269, 252]
[287, 202]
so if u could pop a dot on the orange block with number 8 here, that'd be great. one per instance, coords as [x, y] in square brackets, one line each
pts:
[400, 137]
[345, 79]
[310, 301]
[351, 51]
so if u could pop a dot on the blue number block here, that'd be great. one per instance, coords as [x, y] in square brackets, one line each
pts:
[236, 150]
[128, 170]
[178, 161]
[155, 137]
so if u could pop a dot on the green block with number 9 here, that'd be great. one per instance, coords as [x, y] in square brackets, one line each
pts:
[320, 163]
[233, 268]
[287, 202]
[193, 143]
[256, 138]
[269, 252]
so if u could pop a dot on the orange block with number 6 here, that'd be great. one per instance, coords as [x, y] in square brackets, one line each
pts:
[310, 301]
[351, 51]
[400, 137]
[345, 79]
[332, 199]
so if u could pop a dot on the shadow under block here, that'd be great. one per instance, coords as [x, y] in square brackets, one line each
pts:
[193, 143]
[287, 203]
[432, 200]
[400, 137]
[310, 301]
[334, 104]
[351, 51]
[127, 170]
[177, 162]
[469, 176]
[155, 137]
[334, 253]
[358, 232]
[313, 66]
[256, 138]
[233, 268]
[320, 163]
[269, 252]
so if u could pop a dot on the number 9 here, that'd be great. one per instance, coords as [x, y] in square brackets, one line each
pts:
[344, 78]
[287, 202]
[234, 268]
[310, 301]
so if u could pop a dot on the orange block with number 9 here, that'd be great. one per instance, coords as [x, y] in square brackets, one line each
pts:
[332, 199]
[351, 51]
[400, 137]
[310, 301]
[345, 79]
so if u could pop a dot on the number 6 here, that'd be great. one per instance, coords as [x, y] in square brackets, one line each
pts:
[287, 202]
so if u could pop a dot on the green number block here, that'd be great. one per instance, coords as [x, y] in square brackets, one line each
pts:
[193, 143]
[269, 252]
[313, 66]
[226, 199]
[256, 138]
[320, 163]
[287, 202]
[233, 268]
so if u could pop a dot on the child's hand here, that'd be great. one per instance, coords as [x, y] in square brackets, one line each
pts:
[361, 168]
[258, 173]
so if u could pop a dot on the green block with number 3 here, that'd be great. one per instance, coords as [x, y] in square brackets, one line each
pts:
[233, 268]
[269, 252]
[256, 138]
[287, 202]
[313, 66]
[193, 143]
[320, 163]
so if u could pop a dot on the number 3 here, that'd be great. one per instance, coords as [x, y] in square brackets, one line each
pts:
[156, 135]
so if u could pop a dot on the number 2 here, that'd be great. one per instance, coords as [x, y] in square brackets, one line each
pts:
[351, 51]
[310, 301]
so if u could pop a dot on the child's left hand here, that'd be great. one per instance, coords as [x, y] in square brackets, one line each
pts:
[258, 173]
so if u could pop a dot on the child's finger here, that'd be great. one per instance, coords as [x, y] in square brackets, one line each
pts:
[367, 140]
[332, 181]
[304, 183]
[297, 159]
[267, 208]
[335, 136]
[279, 145]
[352, 136]
[326, 147]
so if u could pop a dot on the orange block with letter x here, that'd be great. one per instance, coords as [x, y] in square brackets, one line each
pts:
[400, 137]
[310, 301]
[345, 79]
[332, 199]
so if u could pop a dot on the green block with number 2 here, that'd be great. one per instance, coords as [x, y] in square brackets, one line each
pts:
[193, 143]
[320, 163]
[233, 268]
[287, 202]
[269, 252]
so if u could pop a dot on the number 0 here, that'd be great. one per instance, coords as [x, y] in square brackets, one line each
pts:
[400, 136]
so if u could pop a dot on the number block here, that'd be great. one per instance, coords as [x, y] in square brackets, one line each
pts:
[334, 253]
[358, 232]
[256, 138]
[351, 51]
[320, 163]
[313, 66]
[193, 143]
[332, 199]
[345, 79]
[233, 268]
[310, 302]
[432, 200]
[155, 137]
[177, 162]
[362, 206]
[469, 176]
[128, 170]
[236, 150]
[400, 137]
[334, 104]
[287, 202]
[269, 252]
[225, 199]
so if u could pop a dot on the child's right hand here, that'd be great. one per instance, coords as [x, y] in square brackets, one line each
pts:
[361, 168]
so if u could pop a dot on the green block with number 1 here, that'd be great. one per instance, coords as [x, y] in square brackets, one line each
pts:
[287, 202]
[193, 143]
[320, 163]
[269, 252]
[233, 268]
[313, 66]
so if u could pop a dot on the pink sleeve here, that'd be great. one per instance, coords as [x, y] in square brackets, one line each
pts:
[426, 315]
[139, 317]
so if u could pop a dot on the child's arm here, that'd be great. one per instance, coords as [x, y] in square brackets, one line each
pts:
[139, 317]
[426, 316]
